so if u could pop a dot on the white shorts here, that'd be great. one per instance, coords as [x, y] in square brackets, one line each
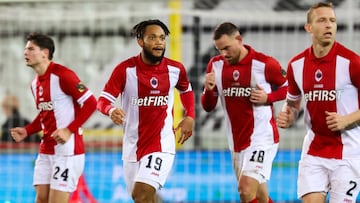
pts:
[61, 172]
[255, 162]
[152, 169]
[340, 177]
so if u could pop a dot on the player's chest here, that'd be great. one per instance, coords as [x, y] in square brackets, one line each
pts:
[48, 90]
[317, 75]
[150, 82]
[236, 76]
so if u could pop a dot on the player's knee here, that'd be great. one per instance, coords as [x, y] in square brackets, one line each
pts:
[247, 196]
[262, 196]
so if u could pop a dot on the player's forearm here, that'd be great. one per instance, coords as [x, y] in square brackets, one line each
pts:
[188, 101]
[353, 118]
[294, 107]
[104, 105]
[277, 95]
[209, 100]
[34, 126]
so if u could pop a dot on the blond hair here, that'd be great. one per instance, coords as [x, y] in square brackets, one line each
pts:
[316, 6]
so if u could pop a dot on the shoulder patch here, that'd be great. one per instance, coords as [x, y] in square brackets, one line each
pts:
[81, 87]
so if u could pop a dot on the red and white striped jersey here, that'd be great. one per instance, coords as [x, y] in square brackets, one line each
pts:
[59, 96]
[330, 83]
[147, 98]
[247, 124]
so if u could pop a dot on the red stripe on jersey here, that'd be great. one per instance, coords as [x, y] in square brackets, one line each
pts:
[47, 118]
[153, 89]
[313, 69]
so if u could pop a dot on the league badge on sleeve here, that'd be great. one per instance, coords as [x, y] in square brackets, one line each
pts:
[81, 87]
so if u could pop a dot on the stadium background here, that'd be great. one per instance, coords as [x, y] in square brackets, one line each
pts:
[93, 36]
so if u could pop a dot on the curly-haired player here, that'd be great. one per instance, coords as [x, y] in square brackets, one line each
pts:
[146, 84]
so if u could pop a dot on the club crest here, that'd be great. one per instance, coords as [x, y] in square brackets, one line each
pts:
[154, 82]
[236, 75]
[318, 75]
[41, 91]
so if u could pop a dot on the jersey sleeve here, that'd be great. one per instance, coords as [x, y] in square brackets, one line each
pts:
[183, 84]
[186, 93]
[72, 86]
[355, 71]
[34, 126]
[276, 76]
[112, 89]
[209, 97]
[87, 109]
[293, 92]
[188, 101]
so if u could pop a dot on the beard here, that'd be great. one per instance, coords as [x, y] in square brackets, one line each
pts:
[149, 56]
[233, 60]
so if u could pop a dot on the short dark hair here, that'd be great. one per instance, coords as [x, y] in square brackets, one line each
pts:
[139, 29]
[226, 28]
[43, 41]
[315, 6]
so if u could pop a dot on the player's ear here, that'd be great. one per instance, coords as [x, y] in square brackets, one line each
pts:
[239, 38]
[307, 27]
[46, 53]
[140, 42]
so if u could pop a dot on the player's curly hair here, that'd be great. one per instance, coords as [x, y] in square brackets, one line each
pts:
[139, 29]
[43, 41]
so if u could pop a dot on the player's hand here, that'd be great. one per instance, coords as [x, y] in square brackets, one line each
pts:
[186, 126]
[118, 116]
[210, 80]
[18, 133]
[258, 95]
[335, 122]
[284, 118]
[61, 135]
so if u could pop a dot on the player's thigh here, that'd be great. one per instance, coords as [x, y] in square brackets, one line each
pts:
[42, 193]
[315, 197]
[313, 177]
[42, 176]
[345, 182]
[66, 171]
[57, 196]
[143, 191]
[43, 170]
[255, 162]
[130, 171]
[155, 168]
